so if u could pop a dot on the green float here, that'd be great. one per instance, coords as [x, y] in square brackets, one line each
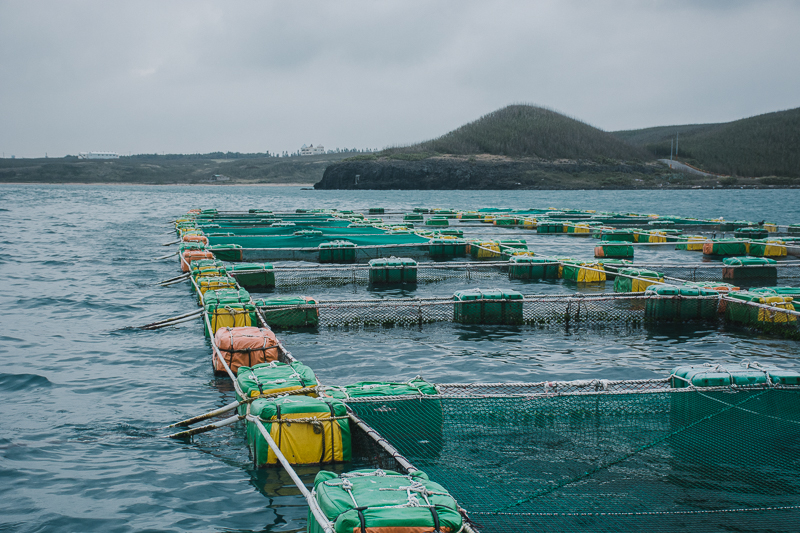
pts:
[533, 268]
[494, 306]
[286, 311]
[337, 252]
[392, 270]
[254, 275]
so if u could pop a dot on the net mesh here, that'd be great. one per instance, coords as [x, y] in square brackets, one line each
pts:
[788, 274]
[327, 276]
[290, 278]
[535, 310]
[605, 456]
[570, 310]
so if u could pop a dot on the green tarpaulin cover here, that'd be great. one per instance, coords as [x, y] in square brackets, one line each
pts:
[384, 499]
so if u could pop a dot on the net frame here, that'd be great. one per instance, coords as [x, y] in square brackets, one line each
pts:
[514, 515]
[288, 278]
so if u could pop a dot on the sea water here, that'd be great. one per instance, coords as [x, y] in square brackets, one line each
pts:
[84, 398]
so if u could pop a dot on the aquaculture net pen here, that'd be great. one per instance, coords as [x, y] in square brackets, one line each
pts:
[532, 310]
[290, 278]
[788, 273]
[605, 456]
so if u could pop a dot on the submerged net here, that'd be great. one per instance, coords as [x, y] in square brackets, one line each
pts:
[787, 273]
[533, 310]
[359, 274]
[427, 272]
[560, 310]
[605, 456]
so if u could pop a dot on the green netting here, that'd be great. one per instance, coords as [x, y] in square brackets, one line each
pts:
[518, 267]
[290, 230]
[292, 241]
[641, 458]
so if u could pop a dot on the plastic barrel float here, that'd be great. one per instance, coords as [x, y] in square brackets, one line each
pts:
[392, 270]
[672, 303]
[383, 501]
[725, 247]
[338, 251]
[614, 251]
[287, 311]
[534, 268]
[254, 275]
[641, 280]
[749, 268]
[495, 306]
[582, 271]
[438, 247]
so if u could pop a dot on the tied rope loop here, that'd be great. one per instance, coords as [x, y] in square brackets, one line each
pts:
[675, 376]
[411, 381]
[258, 383]
[747, 364]
[413, 492]
[347, 486]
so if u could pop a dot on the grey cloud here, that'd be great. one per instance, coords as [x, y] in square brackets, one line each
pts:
[254, 76]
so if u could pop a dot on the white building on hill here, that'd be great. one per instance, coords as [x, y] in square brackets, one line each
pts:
[312, 150]
[98, 155]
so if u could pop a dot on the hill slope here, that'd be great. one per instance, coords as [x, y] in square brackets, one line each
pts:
[764, 145]
[528, 131]
[658, 135]
[168, 170]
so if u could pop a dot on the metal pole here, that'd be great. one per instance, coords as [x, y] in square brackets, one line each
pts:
[172, 319]
[234, 405]
[222, 410]
[206, 428]
[170, 323]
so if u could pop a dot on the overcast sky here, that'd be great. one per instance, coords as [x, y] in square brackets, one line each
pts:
[251, 76]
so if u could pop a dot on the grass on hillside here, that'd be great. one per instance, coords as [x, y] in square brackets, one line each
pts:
[162, 170]
[764, 145]
[526, 131]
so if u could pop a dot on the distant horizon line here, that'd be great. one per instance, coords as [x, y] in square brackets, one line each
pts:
[242, 155]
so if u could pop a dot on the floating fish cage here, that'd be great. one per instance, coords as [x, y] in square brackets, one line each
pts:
[520, 267]
[704, 448]
[659, 303]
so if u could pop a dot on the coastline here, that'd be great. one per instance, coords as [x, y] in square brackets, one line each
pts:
[159, 184]
[672, 187]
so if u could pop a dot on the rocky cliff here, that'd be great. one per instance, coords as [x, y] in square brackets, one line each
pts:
[496, 173]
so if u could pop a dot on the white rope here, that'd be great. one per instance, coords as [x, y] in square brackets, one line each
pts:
[642, 513]
[769, 307]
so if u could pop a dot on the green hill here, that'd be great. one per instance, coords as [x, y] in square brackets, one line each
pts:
[527, 131]
[169, 169]
[764, 145]
[651, 137]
